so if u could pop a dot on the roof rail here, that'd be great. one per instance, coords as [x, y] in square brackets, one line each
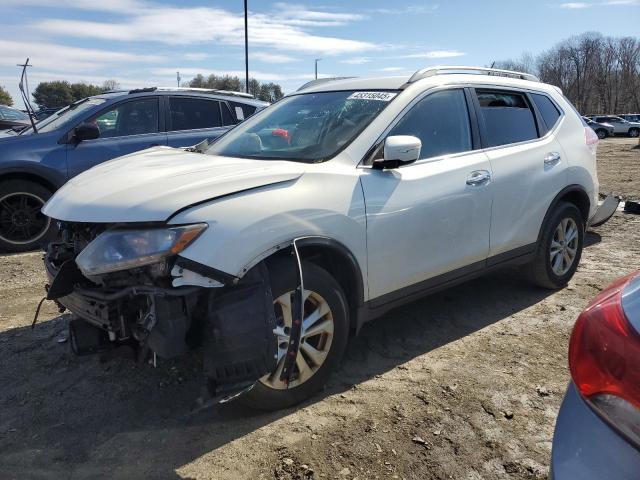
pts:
[319, 81]
[192, 89]
[440, 70]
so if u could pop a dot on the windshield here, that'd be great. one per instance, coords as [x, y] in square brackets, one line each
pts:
[310, 127]
[7, 113]
[66, 115]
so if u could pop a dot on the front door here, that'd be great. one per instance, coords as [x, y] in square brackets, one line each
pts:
[432, 217]
[125, 128]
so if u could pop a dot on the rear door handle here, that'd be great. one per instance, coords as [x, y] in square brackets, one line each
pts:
[552, 158]
[478, 177]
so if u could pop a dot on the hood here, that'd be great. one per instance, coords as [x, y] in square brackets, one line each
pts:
[150, 186]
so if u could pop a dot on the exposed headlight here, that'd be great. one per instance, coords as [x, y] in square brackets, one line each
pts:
[116, 250]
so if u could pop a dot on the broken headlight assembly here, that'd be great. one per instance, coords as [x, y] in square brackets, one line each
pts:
[116, 250]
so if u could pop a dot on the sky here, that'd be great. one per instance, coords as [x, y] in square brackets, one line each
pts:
[145, 42]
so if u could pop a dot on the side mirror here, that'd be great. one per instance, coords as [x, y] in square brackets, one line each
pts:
[399, 150]
[86, 131]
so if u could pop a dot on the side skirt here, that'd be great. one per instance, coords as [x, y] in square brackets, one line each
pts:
[380, 305]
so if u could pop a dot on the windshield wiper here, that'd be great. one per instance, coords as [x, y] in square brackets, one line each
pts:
[25, 97]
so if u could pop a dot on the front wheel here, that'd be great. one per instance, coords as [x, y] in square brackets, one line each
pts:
[560, 248]
[325, 331]
[23, 226]
[634, 132]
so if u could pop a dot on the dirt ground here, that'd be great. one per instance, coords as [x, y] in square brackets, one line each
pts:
[464, 384]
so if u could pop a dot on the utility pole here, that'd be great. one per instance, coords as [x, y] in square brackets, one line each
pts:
[178, 78]
[246, 49]
[317, 60]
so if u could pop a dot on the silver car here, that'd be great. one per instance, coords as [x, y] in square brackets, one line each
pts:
[620, 125]
[597, 432]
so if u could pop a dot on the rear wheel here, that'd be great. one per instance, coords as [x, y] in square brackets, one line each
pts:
[602, 133]
[23, 226]
[325, 331]
[560, 248]
[634, 132]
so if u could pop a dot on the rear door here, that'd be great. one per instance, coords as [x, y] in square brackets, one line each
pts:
[528, 163]
[191, 120]
[125, 128]
[431, 217]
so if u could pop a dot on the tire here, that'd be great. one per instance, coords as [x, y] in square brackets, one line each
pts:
[545, 270]
[22, 226]
[634, 132]
[602, 133]
[263, 395]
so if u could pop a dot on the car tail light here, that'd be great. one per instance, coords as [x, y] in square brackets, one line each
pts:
[591, 138]
[604, 356]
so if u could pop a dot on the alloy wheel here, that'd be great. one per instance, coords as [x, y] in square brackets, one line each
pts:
[315, 341]
[21, 220]
[564, 246]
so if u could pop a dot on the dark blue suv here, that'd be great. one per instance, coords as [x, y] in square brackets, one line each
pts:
[33, 165]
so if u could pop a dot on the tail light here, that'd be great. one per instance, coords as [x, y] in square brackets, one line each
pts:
[591, 138]
[604, 355]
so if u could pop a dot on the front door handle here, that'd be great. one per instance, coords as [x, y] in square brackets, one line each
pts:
[478, 177]
[552, 158]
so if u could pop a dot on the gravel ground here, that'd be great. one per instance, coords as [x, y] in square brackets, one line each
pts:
[463, 384]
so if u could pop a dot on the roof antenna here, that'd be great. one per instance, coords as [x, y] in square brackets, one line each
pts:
[24, 90]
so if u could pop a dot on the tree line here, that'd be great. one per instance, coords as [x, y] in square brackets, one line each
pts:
[598, 74]
[269, 92]
[60, 93]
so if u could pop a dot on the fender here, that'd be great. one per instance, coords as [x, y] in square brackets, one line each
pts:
[32, 169]
[577, 189]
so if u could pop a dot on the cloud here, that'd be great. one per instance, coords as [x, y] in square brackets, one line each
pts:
[392, 69]
[116, 6]
[356, 60]
[286, 30]
[436, 54]
[575, 5]
[409, 10]
[271, 57]
[64, 58]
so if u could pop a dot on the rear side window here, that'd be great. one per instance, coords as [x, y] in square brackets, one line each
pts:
[193, 113]
[548, 110]
[441, 122]
[508, 118]
[242, 111]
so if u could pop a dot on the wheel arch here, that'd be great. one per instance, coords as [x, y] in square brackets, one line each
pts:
[334, 257]
[574, 194]
[45, 181]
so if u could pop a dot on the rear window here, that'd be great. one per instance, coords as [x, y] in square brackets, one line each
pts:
[194, 113]
[508, 118]
[548, 110]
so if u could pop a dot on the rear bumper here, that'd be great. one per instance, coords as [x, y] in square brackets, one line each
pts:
[586, 448]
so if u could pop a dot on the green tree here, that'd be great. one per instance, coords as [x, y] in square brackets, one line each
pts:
[269, 92]
[55, 94]
[84, 90]
[5, 98]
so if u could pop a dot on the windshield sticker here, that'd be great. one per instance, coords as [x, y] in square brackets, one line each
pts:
[381, 96]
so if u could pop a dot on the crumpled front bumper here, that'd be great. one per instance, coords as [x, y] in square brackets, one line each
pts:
[605, 211]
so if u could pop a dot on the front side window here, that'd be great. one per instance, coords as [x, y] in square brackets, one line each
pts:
[441, 122]
[136, 117]
[309, 127]
[507, 117]
[194, 113]
[548, 110]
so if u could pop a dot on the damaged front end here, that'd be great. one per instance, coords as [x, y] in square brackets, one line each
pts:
[133, 295]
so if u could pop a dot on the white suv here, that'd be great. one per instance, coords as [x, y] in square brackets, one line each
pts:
[349, 197]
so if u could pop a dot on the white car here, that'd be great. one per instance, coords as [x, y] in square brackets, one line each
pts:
[339, 202]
